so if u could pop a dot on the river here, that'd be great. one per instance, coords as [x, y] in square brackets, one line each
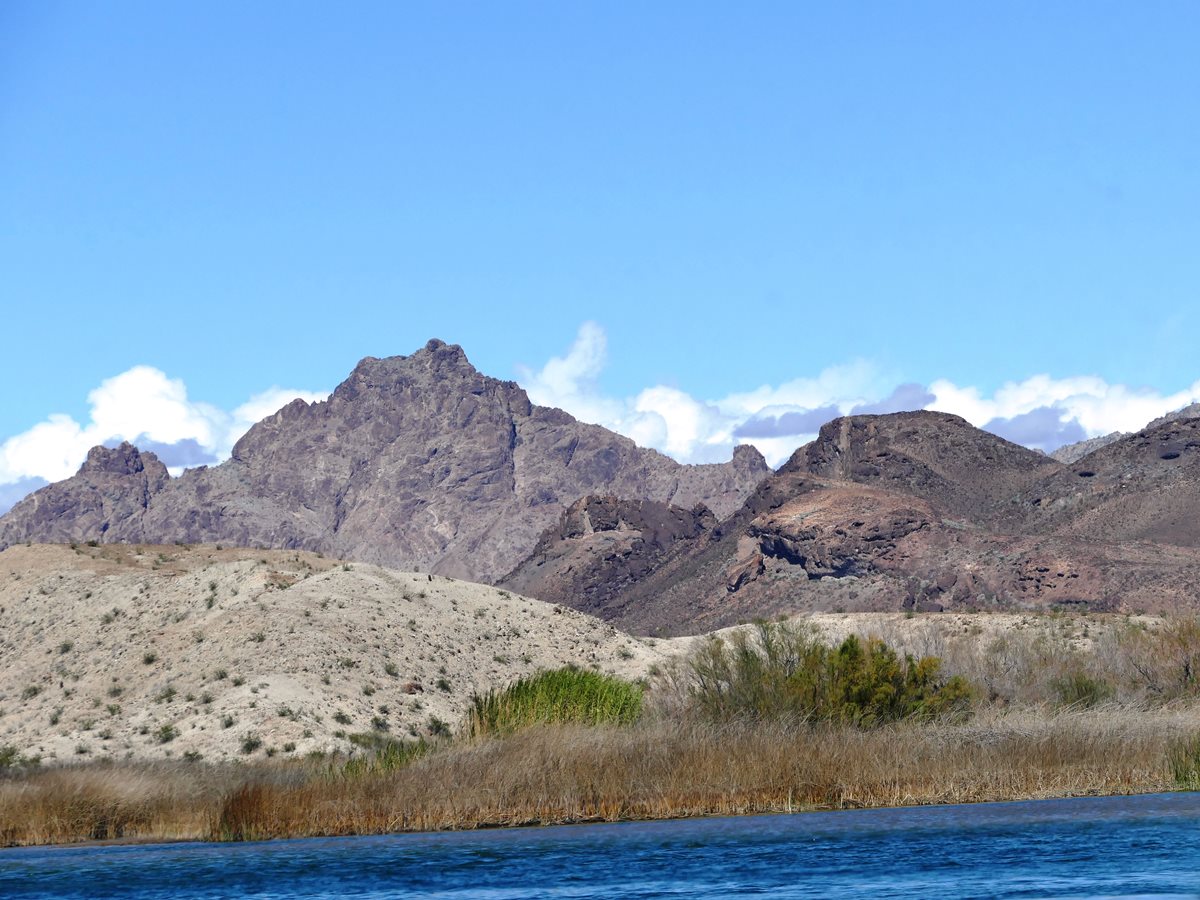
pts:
[1147, 846]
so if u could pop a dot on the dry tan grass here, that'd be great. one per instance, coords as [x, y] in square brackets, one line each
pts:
[74, 624]
[658, 770]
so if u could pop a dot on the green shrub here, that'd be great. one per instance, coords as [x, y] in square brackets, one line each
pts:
[1080, 689]
[560, 695]
[1184, 759]
[778, 670]
[11, 758]
[166, 734]
[385, 753]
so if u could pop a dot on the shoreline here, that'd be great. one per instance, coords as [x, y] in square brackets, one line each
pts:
[558, 775]
[147, 840]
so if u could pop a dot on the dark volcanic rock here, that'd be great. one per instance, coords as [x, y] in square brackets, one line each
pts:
[931, 455]
[1143, 487]
[417, 462]
[920, 511]
[1069, 453]
[114, 486]
[603, 545]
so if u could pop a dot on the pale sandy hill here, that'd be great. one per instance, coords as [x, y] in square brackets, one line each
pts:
[121, 651]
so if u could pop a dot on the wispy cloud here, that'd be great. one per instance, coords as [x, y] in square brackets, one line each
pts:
[1039, 411]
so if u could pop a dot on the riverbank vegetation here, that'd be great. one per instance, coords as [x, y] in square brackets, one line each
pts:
[767, 719]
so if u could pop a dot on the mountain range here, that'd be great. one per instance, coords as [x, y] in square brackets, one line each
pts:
[423, 463]
[416, 462]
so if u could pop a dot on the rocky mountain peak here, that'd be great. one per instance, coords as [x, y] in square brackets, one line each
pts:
[124, 459]
[437, 369]
[418, 461]
[747, 457]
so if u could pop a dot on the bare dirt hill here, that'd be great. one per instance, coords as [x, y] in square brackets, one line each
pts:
[153, 651]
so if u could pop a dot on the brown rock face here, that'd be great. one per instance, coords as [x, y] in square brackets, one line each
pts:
[921, 511]
[113, 485]
[1144, 487]
[931, 455]
[602, 546]
[416, 462]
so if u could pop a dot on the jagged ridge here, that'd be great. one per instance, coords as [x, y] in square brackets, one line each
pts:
[418, 462]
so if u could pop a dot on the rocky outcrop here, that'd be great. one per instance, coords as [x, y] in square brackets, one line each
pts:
[114, 487]
[1145, 487]
[603, 545]
[919, 511]
[417, 462]
[930, 455]
[1071, 453]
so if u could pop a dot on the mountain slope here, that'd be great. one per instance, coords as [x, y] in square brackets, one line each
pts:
[1144, 487]
[915, 511]
[419, 462]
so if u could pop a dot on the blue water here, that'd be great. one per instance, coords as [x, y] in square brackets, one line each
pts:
[1103, 847]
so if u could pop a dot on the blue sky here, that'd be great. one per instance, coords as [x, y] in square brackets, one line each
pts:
[841, 198]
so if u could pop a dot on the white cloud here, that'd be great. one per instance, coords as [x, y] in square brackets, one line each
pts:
[680, 425]
[1097, 406]
[1047, 410]
[141, 404]
[844, 386]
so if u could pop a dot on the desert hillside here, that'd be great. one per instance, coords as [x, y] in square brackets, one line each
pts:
[153, 651]
[147, 652]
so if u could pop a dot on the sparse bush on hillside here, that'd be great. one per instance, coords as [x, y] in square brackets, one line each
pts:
[568, 695]
[166, 695]
[781, 670]
[250, 742]
[166, 733]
